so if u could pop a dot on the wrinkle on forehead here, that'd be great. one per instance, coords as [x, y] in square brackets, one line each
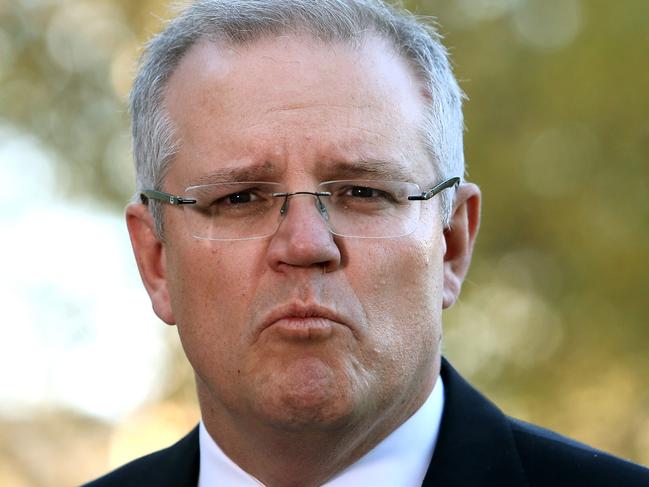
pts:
[309, 106]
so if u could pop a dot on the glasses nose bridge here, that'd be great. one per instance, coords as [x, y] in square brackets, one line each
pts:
[317, 197]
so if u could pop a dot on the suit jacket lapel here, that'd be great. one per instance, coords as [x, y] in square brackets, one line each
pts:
[475, 445]
[176, 466]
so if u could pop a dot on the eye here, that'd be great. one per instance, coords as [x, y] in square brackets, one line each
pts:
[241, 199]
[238, 198]
[363, 192]
[233, 199]
[367, 192]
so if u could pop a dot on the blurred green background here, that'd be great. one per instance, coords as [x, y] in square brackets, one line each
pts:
[552, 320]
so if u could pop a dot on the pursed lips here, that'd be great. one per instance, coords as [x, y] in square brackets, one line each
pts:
[302, 321]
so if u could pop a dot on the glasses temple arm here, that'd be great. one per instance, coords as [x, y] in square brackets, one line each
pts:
[449, 183]
[165, 197]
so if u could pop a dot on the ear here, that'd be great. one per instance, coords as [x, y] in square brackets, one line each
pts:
[149, 253]
[459, 237]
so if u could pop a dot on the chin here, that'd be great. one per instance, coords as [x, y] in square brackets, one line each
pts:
[308, 392]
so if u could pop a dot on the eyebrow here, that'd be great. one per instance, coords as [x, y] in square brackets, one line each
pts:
[369, 168]
[258, 172]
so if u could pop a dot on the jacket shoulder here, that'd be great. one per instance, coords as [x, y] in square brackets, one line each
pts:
[176, 465]
[550, 459]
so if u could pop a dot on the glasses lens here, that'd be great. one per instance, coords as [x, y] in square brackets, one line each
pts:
[233, 211]
[371, 209]
[248, 210]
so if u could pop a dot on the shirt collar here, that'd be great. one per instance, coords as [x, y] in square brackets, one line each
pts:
[402, 458]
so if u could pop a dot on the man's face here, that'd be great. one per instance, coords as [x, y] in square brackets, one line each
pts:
[303, 329]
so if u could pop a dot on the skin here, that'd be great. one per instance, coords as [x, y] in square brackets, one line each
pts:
[353, 343]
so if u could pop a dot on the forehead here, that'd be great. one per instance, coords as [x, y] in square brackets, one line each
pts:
[294, 103]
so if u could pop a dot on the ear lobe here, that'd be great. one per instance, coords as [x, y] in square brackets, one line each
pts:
[150, 256]
[459, 237]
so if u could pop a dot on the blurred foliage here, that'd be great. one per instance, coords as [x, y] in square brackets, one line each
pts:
[552, 321]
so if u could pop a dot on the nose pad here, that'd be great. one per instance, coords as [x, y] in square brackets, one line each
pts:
[322, 209]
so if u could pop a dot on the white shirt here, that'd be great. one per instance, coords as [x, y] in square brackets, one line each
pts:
[401, 459]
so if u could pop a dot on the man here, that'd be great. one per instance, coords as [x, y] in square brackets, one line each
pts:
[303, 221]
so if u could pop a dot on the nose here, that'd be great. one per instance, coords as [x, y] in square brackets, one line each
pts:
[303, 238]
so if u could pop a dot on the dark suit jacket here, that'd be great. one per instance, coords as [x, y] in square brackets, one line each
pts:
[477, 446]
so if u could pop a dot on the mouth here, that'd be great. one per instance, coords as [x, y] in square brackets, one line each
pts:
[301, 322]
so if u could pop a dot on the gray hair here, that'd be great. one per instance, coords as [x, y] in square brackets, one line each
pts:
[243, 21]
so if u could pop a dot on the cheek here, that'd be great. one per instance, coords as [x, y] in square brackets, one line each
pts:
[399, 284]
[404, 273]
[211, 286]
[207, 277]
